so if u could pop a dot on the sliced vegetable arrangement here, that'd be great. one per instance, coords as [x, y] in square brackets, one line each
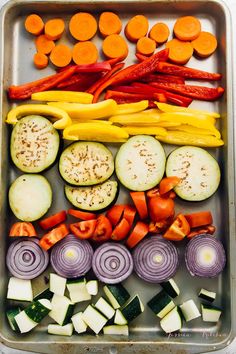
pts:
[145, 104]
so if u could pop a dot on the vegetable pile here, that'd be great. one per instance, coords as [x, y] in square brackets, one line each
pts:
[98, 242]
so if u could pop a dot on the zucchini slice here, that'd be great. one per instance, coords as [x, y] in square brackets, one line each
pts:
[207, 295]
[66, 330]
[105, 308]
[116, 330]
[172, 321]
[133, 309]
[161, 304]
[19, 289]
[78, 322]
[171, 288]
[44, 294]
[11, 313]
[116, 294]
[210, 313]
[92, 287]
[62, 309]
[198, 170]
[30, 197]
[38, 310]
[86, 163]
[94, 198]
[78, 290]
[140, 163]
[57, 284]
[119, 318]
[189, 310]
[94, 319]
[34, 144]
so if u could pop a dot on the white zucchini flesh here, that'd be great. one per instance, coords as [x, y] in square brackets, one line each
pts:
[94, 319]
[61, 309]
[57, 284]
[190, 310]
[210, 314]
[78, 322]
[19, 289]
[24, 323]
[30, 197]
[92, 287]
[66, 330]
[140, 163]
[116, 330]
[78, 291]
[172, 321]
[207, 295]
[105, 308]
[119, 318]
[198, 170]
[116, 294]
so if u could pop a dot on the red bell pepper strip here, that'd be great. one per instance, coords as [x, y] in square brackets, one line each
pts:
[53, 236]
[115, 213]
[167, 184]
[82, 215]
[139, 232]
[188, 73]
[104, 78]
[133, 72]
[141, 57]
[114, 61]
[53, 220]
[121, 230]
[80, 79]
[121, 100]
[201, 218]
[103, 229]
[163, 78]
[140, 203]
[145, 91]
[209, 229]
[25, 229]
[178, 229]
[134, 97]
[195, 92]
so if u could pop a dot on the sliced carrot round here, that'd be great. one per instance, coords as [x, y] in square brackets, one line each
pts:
[115, 46]
[146, 46]
[159, 32]
[187, 28]
[136, 28]
[40, 60]
[179, 52]
[205, 44]
[83, 26]
[61, 55]
[34, 24]
[54, 28]
[43, 44]
[109, 23]
[84, 53]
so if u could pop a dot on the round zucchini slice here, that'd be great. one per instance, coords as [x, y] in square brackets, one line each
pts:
[34, 144]
[198, 170]
[93, 198]
[86, 163]
[140, 163]
[30, 197]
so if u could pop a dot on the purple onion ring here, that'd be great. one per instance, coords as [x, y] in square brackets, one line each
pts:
[205, 256]
[112, 263]
[155, 259]
[26, 259]
[72, 257]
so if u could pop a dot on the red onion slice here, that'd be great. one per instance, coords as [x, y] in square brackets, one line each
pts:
[205, 256]
[72, 257]
[155, 259]
[26, 259]
[112, 263]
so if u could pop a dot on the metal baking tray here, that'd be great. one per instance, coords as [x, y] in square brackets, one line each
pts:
[16, 51]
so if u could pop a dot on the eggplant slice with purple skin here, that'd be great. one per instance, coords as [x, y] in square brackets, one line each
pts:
[205, 256]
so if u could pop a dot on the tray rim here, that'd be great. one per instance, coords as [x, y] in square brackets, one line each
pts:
[146, 346]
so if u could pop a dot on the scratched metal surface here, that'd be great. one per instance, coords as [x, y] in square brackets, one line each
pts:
[145, 335]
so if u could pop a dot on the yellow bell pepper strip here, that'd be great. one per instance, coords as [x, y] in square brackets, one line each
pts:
[134, 107]
[63, 96]
[95, 132]
[183, 138]
[87, 111]
[199, 121]
[144, 130]
[78, 121]
[170, 108]
[135, 118]
[196, 131]
[59, 116]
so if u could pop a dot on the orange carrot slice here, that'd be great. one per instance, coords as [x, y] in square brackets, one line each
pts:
[84, 53]
[205, 44]
[83, 26]
[40, 60]
[187, 28]
[54, 28]
[61, 55]
[43, 44]
[109, 23]
[115, 46]
[159, 32]
[179, 52]
[146, 46]
[136, 28]
[34, 24]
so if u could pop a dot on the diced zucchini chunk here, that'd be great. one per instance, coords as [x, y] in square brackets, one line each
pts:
[57, 284]
[116, 294]
[62, 309]
[172, 321]
[171, 288]
[161, 304]
[210, 313]
[119, 318]
[207, 295]
[78, 290]
[66, 330]
[105, 308]
[19, 289]
[92, 287]
[94, 319]
[189, 310]
[116, 330]
[133, 309]
[78, 322]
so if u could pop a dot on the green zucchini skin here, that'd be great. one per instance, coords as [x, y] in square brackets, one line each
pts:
[133, 309]
[45, 294]
[11, 313]
[36, 311]
[116, 294]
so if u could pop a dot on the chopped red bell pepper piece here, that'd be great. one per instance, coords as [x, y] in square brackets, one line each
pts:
[53, 220]
[167, 184]
[115, 213]
[178, 230]
[22, 229]
[201, 218]
[209, 229]
[135, 97]
[82, 215]
[188, 73]
[139, 199]
[141, 57]
[121, 230]
[53, 236]
[129, 214]
[139, 232]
